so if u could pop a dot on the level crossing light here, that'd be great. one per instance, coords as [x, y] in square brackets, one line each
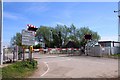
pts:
[88, 36]
[31, 28]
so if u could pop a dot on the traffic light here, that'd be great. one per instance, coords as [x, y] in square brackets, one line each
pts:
[31, 28]
[88, 36]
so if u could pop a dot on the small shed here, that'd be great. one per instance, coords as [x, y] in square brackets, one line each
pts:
[71, 44]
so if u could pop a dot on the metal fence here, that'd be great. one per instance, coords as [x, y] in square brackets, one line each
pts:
[101, 51]
[10, 55]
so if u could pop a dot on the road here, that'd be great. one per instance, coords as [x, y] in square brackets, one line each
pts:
[76, 66]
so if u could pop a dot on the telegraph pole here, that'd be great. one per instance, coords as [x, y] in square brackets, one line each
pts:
[1, 49]
[118, 20]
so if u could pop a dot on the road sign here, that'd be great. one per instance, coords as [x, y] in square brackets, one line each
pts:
[28, 37]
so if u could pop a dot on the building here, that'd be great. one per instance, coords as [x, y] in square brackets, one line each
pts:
[103, 48]
[109, 43]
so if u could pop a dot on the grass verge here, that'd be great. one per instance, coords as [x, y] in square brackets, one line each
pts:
[20, 69]
[118, 55]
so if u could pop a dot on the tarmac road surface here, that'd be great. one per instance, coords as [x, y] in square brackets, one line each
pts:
[76, 66]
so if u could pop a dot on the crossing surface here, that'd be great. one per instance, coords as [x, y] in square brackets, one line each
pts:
[76, 66]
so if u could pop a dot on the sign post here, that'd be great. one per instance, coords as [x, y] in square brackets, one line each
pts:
[23, 53]
[28, 39]
[88, 38]
[31, 50]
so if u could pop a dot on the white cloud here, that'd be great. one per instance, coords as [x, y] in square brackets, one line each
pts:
[13, 16]
[36, 9]
[9, 15]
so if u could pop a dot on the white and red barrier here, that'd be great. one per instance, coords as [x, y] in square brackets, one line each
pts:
[56, 50]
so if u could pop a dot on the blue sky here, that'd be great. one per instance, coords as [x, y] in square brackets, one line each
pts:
[98, 16]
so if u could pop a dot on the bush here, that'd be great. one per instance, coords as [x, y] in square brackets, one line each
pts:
[19, 69]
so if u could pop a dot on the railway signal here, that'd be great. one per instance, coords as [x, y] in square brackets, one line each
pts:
[88, 36]
[31, 27]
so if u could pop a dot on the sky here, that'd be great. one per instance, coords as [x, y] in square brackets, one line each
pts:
[98, 16]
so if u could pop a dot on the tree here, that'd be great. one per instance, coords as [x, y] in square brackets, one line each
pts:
[64, 33]
[60, 39]
[43, 33]
[60, 35]
[12, 41]
[18, 39]
[85, 30]
[72, 32]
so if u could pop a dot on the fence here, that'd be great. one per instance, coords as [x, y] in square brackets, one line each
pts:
[101, 51]
[10, 55]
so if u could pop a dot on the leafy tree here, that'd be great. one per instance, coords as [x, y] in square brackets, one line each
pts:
[85, 30]
[18, 39]
[60, 35]
[12, 41]
[60, 39]
[43, 33]
[37, 46]
[64, 33]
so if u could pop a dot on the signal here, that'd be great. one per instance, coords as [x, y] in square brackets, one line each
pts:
[87, 36]
[31, 27]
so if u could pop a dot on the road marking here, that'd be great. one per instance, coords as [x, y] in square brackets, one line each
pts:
[48, 66]
[59, 60]
[47, 69]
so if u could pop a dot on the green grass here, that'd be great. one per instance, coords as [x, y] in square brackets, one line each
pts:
[20, 69]
[117, 55]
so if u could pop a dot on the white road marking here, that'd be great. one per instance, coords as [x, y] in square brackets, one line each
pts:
[59, 60]
[47, 69]
[48, 66]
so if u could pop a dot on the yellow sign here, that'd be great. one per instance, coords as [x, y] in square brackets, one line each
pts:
[31, 48]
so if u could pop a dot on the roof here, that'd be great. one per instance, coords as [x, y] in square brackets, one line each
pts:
[108, 42]
[71, 44]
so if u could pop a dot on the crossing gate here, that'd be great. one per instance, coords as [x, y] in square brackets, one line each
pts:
[70, 51]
